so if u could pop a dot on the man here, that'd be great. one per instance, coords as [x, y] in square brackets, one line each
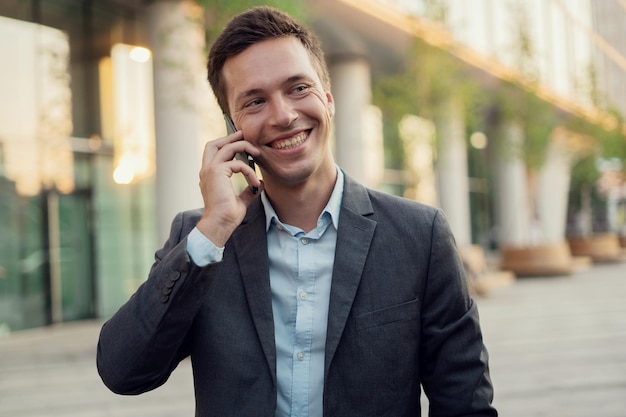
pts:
[315, 297]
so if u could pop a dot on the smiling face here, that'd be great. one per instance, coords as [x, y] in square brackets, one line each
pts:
[276, 98]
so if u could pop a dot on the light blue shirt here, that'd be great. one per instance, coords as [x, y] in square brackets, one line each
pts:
[301, 267]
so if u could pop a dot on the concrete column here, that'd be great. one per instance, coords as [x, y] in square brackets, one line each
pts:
[418, 139]
[452, 172]
[358, 125]
[511, 208]
[184, 114]
[552, 192]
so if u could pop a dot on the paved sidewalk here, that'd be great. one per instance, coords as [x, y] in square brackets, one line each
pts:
[51, 372]
[557, 346]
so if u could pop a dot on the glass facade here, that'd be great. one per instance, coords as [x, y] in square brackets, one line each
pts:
[74, 244]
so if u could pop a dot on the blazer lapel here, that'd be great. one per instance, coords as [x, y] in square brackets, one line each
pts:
[353, 241]
[250, 244]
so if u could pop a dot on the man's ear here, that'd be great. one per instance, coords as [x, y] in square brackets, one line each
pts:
[330, 103]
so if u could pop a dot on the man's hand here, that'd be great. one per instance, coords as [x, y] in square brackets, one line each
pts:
[223, 209]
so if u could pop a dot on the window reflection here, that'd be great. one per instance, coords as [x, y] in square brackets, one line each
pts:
[35, 108]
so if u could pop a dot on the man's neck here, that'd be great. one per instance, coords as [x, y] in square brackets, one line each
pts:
[300, 205]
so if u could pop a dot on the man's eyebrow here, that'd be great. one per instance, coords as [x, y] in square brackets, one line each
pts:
[248, 93]
[298, 77]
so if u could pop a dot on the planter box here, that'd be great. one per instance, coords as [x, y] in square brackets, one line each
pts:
[602, 247]
[541, 260]
[483, 277]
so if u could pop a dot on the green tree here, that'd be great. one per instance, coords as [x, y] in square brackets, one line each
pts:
[428, 78]
[219, 12]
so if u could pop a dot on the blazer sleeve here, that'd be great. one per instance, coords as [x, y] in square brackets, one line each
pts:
[144, 341]
[454, 360]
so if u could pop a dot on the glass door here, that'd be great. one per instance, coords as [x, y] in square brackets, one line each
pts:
[71, 257]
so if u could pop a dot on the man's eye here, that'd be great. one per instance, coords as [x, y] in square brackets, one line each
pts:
[300, 88]
[254, 103]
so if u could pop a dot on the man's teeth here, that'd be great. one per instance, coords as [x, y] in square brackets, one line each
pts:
[291, 142]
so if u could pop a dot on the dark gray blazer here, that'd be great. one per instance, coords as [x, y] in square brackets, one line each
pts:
[400, 316]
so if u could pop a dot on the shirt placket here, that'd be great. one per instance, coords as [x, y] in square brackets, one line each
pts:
[304, 325]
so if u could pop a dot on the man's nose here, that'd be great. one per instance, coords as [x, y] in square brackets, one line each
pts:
[283, 112]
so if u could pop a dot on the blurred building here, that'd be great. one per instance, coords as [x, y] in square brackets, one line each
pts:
[74, 242]
[105, 109]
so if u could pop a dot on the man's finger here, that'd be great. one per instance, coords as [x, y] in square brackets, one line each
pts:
[213, 147]
[247, 196]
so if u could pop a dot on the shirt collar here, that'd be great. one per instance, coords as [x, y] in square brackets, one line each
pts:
[332, 207]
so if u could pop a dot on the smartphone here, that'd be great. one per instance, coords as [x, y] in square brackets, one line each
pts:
[242, 156]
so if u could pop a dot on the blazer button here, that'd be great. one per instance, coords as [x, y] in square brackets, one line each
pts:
[165, 298]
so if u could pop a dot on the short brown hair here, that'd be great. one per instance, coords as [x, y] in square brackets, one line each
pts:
[253, 26]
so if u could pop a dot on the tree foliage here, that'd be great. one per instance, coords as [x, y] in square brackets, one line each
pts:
[537, 118]
[219, 12]
[429, 77]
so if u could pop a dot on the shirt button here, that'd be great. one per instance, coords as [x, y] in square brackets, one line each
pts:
[279, 226]
[304, 295]
[300, 356]
[305, 240]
